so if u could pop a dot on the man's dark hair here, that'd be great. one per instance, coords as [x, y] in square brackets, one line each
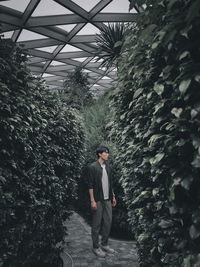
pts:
[101, 149]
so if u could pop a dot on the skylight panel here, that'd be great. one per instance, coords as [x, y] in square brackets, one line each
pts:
[47, 75]
[57, 63]
[88, 28]
[70, 48]
[49, 7]
[81, 59]
[87, 5]
[67, 27]
[17, 5]
[106, 78]
[49, 49]
[118, 6]
[28, 35]
[8, 35]
[85, 70]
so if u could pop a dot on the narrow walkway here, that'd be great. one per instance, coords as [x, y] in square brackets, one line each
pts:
[78, 248]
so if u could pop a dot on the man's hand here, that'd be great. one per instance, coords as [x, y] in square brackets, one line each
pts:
[114, 201]
[93, 205]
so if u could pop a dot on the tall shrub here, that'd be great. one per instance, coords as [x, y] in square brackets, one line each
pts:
[156, 125]
[41, 144]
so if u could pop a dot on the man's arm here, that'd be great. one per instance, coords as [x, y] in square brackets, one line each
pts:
[93, 202]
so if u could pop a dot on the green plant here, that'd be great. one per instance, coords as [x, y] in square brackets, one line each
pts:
[40, 161]
[156, 126]
[76, 89]
[110, 42]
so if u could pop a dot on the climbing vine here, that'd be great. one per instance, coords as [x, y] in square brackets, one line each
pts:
[156, 124]
[40, 160]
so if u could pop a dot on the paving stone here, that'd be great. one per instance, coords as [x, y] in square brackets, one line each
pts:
[78, 247]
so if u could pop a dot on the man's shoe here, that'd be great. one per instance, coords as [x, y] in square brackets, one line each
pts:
[99, 252]
[107, 249]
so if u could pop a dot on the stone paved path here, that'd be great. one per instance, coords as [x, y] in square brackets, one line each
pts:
[78, 248]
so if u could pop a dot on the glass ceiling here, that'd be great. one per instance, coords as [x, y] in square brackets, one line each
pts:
[60, 35]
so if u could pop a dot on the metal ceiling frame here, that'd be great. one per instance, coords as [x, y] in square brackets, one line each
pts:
[42, 62]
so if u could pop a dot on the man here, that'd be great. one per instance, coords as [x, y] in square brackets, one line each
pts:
[102, 199]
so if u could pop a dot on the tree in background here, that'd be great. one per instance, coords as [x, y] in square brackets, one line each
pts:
[76, 89]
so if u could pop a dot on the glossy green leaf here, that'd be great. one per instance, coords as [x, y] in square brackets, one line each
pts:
[184, 85]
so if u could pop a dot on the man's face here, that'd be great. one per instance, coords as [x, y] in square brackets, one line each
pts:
[104, 155]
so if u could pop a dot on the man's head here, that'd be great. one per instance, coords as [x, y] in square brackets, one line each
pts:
[102, 152]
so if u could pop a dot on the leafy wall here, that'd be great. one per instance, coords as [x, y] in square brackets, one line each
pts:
[157, 127]
[40, 161]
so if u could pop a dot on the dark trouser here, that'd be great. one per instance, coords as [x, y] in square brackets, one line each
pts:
[101, 217]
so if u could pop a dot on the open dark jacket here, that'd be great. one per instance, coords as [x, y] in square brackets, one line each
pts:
[94, 180]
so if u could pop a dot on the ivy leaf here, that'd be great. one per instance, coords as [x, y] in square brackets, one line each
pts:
[196, 162]
[159, 88]
[165, 224]
[143, 237]
[157, 158]
[196, 142]
[197, 78]
[154, 138]
[186, 182]
[184, 85]
[193, 113]
[184, 54]
[155, 191]
[177, 112]
[138, 92]
[155, 45]
[194, 232]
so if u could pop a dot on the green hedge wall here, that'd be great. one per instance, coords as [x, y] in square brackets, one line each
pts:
[40, 162]
[157, 128]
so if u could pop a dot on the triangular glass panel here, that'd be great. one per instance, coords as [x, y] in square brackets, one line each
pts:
[57, 63]
[106, 78]
[118, 6]
[49, 7]
[17, 5]
[67, 27]
[47, 75]
[86, 70]
[8, 35]
[81, 59]
[87, 5]
[49, 49]
[89, 29]
[70, 48]
[28, 35]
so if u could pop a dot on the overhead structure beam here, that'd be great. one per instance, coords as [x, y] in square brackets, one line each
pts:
[48, 54]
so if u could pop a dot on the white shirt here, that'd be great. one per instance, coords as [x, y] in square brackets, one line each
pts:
[105, 183]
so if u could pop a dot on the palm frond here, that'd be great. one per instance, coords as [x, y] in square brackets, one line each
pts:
[106, 41]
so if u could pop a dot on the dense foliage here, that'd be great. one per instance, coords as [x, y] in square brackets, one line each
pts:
[40, 161]
[157, 127]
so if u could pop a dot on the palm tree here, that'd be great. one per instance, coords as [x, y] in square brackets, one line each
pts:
[109, 42]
